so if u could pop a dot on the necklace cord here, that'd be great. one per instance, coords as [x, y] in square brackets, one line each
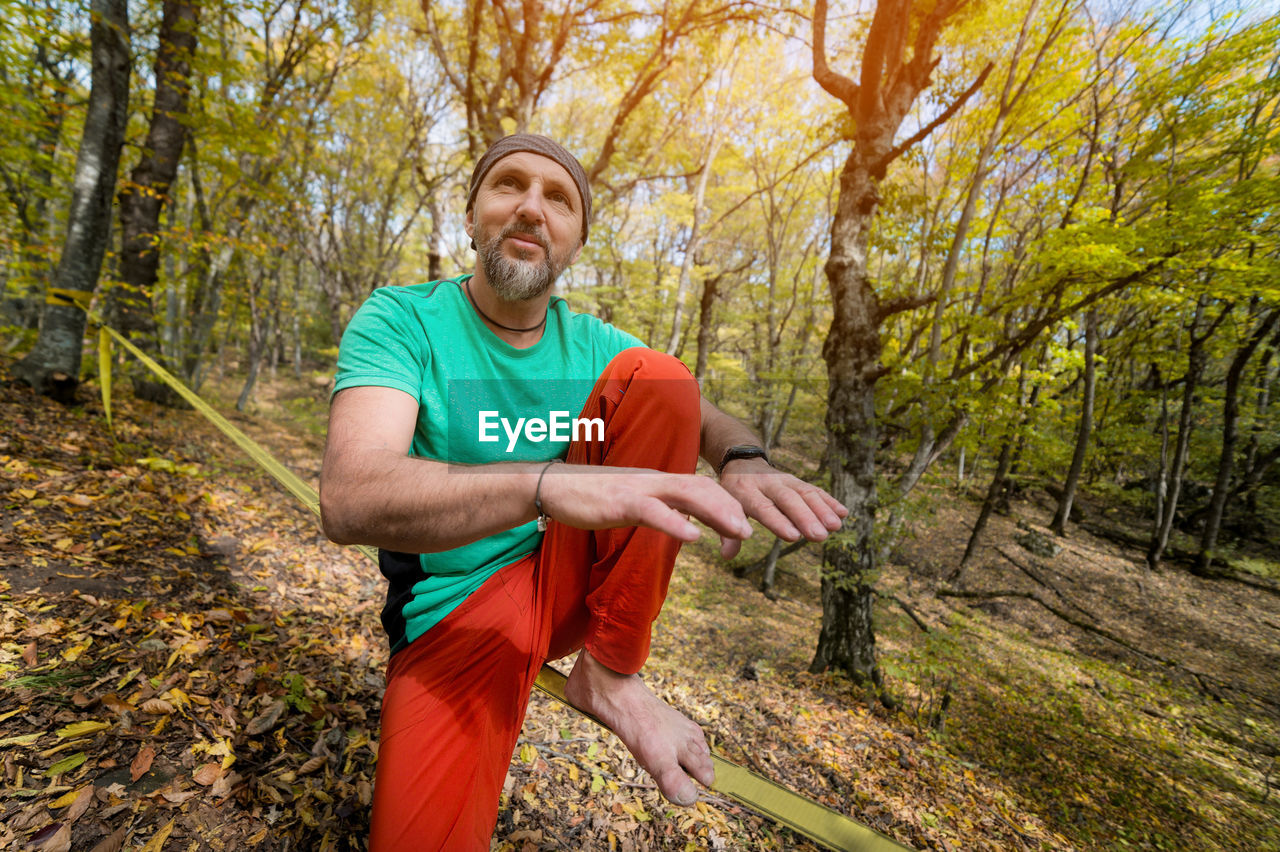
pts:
[466, 285]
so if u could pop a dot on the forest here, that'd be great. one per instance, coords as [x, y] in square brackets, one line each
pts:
[1003, 278]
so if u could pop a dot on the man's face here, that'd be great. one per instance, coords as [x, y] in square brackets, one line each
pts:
[527, 225]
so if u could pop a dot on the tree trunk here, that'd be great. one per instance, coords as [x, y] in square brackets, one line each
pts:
[1196, 360]
[53, 365]
[261, 330]
[994, 490]
[143, 198]
[774, 439]
[771, 570]
[434, 266]
[1251, 464]
[878, 104]
[1230, 416]
[1160, 484]
[34, 269]
[706, 308]
[676, 341]
[1059, 524]
[852, 353]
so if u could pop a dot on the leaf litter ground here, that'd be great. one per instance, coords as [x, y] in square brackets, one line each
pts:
[186, 664]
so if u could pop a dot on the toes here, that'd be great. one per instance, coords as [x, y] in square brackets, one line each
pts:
[696, 760]
[705, 771]
[676, 786]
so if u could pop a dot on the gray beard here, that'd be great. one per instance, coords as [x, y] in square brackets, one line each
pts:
[517, 280]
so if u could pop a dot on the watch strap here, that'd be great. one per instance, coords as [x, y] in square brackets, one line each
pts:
[743, 451]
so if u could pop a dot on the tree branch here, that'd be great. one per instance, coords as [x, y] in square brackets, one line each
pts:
[911, 612]
[1070, 619]
[900, 149]
[1022, 339]
[900, 304]
[752, 567]
[1026, 569]
[836, 85]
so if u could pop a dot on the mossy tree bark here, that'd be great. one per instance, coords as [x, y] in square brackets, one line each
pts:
[52, 366]
[144, 197]
[896, 66]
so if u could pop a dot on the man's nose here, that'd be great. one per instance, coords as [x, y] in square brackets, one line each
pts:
[530, 207]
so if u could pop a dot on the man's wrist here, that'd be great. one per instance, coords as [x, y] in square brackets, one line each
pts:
[742, 452]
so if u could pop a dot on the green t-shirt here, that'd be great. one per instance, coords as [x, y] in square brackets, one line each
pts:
[473, 389]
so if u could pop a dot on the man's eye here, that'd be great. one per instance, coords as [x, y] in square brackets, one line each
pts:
[560, 198]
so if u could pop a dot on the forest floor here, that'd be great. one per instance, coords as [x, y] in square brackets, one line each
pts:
[186, 664]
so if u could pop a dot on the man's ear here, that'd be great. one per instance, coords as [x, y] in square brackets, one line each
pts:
[469, 222]
[577, 253]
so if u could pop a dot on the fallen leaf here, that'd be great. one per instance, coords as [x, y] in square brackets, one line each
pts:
[29, 654]
[81, 804]
[525, 834]
[66, 764]
[312, 765]
[73, 653]
[81, 500]
[207, 774]
[10, 714]
[223, 786]
[29, 818]
[178, 798]
[141, 764]
[156, 706]
[113, 842]
[60, 841]
[267, 719]
[156, 843]
[64, 800]
[82, 729]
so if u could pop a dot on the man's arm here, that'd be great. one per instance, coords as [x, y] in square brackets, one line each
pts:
[373, 492]
[789, 507]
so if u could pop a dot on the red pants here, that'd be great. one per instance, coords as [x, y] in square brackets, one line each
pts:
[456, 696]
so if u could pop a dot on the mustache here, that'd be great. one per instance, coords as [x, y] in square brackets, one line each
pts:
[529, 231]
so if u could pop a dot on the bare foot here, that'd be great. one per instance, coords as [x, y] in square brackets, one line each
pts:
[666, 743]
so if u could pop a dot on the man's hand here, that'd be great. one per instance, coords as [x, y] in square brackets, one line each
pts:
[593, 498]
[789, 507]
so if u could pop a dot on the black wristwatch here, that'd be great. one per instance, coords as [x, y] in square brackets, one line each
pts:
[743, 451]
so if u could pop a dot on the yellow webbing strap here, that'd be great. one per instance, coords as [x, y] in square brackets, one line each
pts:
[104, 371]
[60, 296]
[304, 492]
[804, 816]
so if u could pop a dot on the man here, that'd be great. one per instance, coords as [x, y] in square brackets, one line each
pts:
[448, 420]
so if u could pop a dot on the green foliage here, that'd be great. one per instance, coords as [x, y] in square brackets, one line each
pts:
[1266, 568]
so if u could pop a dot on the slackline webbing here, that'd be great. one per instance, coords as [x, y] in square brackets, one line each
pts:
[63, 296]
[785, 807]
